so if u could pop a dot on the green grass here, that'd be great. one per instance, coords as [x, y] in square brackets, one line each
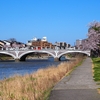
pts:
[96, 62]
[47, 93]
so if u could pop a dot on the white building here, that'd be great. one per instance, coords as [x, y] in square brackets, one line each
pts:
[44, 39]
[7, 42]
[35, 39]
[78, 42]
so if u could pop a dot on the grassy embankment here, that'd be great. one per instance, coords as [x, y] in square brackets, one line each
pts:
[5, 57]
[96, 70]
[36, 86]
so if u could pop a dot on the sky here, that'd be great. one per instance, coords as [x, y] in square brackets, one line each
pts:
[58, 20]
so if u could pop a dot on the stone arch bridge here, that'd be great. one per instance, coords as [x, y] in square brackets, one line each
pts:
[20, 55]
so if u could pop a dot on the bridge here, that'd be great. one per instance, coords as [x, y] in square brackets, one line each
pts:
[20, 55]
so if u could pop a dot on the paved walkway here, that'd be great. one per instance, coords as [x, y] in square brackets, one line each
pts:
[79, 85]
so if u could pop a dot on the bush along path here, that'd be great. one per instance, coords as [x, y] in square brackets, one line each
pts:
[78, 85]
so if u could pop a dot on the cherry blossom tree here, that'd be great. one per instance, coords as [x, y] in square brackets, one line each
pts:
[93, 41]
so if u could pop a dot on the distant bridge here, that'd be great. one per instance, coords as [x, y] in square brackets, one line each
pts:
[20, 55]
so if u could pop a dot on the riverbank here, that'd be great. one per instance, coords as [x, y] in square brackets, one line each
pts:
[96, 71]
[35, 86]
[43, 57]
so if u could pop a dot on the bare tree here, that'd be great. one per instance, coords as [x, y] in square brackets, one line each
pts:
[12, 40]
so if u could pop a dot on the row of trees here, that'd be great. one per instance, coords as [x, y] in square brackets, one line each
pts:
[93, 41]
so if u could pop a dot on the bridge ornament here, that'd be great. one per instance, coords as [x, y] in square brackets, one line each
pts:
[20, 55]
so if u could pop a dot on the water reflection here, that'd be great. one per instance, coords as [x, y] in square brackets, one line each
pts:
[9, 68]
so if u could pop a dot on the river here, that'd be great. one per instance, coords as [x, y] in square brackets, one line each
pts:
[10, 68]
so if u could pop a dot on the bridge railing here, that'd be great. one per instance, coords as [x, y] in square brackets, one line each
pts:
[48, 49]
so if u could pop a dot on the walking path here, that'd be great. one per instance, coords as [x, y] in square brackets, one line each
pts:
[79, 85]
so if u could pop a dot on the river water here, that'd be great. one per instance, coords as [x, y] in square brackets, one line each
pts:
[10, 68]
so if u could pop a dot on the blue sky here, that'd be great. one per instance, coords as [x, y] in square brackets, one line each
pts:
[58, 20]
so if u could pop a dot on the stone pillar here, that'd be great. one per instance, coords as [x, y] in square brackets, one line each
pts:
[56, 59]
[17, 60]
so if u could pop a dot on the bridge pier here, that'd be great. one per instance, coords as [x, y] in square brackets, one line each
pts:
[56, 59]
[17, 60]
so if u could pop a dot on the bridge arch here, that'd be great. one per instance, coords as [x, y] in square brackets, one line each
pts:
[6, 53]
[23, 55]
[87, 53]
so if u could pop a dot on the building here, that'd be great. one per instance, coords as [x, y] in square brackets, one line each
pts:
[40, 44]
[17, 45]
[62, 45]
[2, 43]
[78, 44]
[84, 46]
[44, 39]
[8, 45]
